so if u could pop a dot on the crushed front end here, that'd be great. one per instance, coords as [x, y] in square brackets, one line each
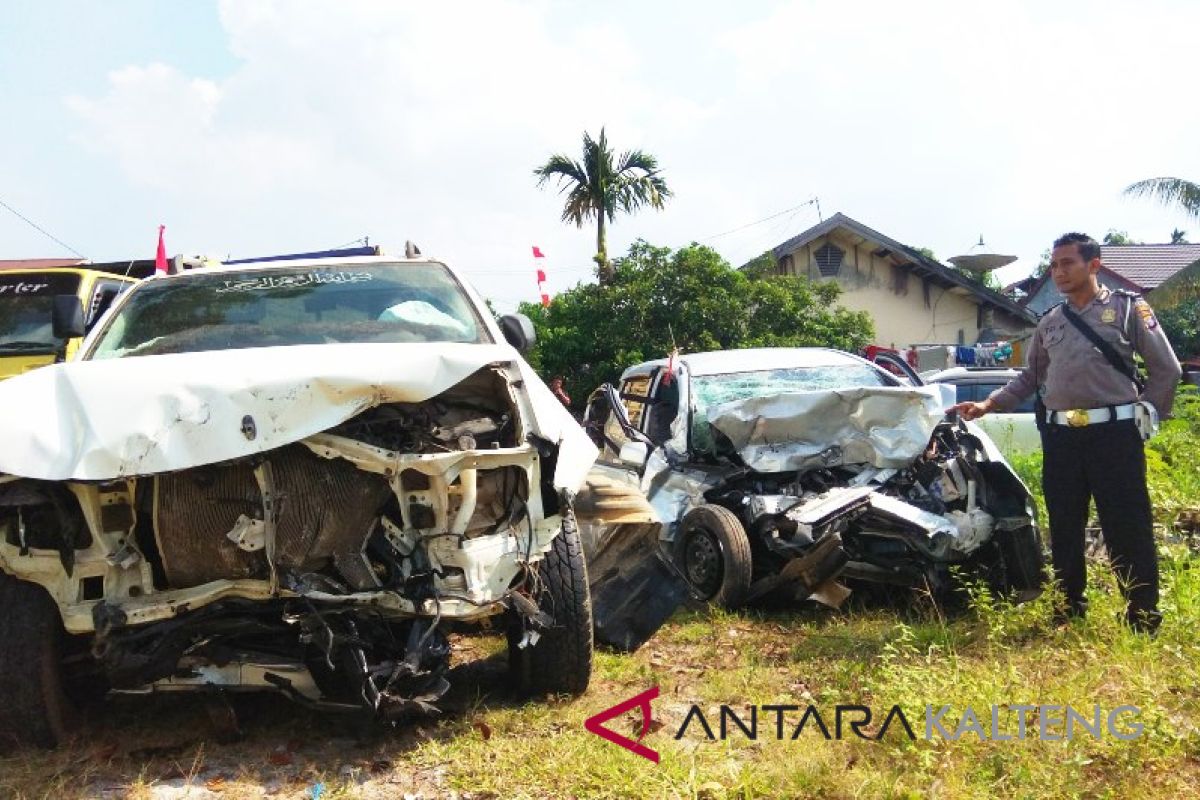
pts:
[330, 568]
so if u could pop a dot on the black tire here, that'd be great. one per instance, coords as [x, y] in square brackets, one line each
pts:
[713, 551]
[34, 708]
[561, 661]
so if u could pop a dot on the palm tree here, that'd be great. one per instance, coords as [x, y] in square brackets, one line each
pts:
[601, 184]
[1171, 192]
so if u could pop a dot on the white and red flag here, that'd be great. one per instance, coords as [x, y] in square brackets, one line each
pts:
[541, 276]
[160, 258]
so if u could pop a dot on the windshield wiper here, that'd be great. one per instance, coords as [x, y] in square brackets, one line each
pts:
[50, 346]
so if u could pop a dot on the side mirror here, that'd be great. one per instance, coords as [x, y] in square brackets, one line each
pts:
[518, 331]
[634, 454]
[67, 317]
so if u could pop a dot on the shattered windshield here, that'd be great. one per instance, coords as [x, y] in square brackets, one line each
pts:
[713, 390]
[26, 305]
[371, 303]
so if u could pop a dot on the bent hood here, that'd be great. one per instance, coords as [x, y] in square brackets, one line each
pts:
[886, 427]
[100, 420]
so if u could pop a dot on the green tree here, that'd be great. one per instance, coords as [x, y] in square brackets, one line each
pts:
[1181, 322]
[692, 297]
[1179, 237]
[602, 183]
[988, 279]
[1043, 263]
[1170, 192]
[1116, 237]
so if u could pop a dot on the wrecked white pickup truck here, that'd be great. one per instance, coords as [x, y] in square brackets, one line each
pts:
[783, 471]
[296, 476]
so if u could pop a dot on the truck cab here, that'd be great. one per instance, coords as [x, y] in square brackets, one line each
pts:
[29, 337]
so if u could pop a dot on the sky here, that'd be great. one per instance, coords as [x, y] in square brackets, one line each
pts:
[266, 126]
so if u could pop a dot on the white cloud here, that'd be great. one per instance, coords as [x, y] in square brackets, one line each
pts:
[931, 122]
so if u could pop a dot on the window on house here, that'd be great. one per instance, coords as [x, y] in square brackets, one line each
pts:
[829, 259]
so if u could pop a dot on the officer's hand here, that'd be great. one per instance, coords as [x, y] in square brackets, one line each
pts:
[970, 411]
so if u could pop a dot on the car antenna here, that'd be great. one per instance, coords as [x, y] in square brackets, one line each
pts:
[671, 359]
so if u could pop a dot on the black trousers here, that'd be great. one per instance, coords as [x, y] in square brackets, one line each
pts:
[1105, 462]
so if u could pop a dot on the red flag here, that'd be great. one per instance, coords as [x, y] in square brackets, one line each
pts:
[537, 252]
[541, 276]
[160, 259]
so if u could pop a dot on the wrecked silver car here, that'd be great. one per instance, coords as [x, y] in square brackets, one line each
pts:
[787, 471]
[296, 476]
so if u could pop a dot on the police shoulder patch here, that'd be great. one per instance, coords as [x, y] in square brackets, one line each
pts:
[1146, 313]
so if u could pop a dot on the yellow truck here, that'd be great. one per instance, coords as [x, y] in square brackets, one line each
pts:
[45, 312]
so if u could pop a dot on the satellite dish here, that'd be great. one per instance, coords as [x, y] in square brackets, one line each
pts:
[982, 262]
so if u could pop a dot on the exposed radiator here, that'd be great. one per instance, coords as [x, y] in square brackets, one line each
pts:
[326, 509]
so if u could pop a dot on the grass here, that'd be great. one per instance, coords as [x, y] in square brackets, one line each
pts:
[488, 744]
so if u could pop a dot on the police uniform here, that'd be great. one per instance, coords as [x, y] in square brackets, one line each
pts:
[1091, 446]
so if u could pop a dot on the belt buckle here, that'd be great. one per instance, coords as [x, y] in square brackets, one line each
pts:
[1077, 418]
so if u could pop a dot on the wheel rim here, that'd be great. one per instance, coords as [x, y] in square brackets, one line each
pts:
[703, 562]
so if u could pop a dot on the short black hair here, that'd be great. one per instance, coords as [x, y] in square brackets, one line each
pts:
[1088, 247]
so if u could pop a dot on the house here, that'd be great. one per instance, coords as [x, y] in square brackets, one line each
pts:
[1139, 268]
[913, 299]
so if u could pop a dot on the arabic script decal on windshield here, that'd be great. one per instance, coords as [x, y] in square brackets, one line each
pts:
[267, 282]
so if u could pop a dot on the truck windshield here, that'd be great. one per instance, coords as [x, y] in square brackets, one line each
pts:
[26, 305]
[292, 306]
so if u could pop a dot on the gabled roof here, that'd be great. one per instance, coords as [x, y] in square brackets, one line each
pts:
[1148, 265]
[918, 262]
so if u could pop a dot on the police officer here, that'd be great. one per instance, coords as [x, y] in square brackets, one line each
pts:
[1091, 446]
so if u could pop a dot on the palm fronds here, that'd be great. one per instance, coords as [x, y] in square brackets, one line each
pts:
[1170, 192]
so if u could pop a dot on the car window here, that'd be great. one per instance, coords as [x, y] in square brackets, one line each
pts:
[105, 293]
[281, 306]
[630, 391]
[614, 435]
[964, 392]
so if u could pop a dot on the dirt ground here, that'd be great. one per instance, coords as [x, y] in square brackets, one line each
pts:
[253, 745]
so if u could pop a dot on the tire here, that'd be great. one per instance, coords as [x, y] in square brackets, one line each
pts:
[713, 551]
[34, 708]
[561, 661]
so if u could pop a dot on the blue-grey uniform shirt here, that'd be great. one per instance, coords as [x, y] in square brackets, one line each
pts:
[1076, 375]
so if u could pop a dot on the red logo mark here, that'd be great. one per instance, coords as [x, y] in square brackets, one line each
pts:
[596, 724]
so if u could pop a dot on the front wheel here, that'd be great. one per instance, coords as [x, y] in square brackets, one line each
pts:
[34, 708]
[561, 660]
[713, 551]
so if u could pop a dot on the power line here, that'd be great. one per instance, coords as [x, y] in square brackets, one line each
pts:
[764, 219]
[40, 229]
